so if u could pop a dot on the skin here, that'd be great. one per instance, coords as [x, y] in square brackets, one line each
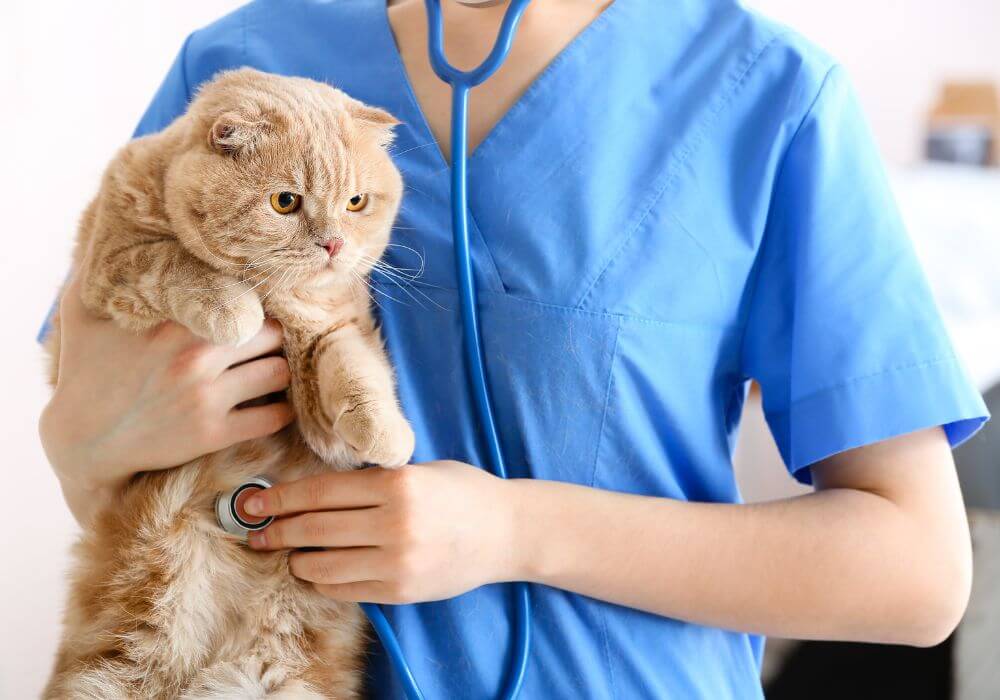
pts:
[880, 552]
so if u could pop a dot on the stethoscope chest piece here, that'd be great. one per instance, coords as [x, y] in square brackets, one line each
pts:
[229, 508]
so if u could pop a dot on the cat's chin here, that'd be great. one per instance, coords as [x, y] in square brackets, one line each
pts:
[324, 277]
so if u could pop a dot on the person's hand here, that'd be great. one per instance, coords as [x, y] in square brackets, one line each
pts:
[126, 403]
[422, 532]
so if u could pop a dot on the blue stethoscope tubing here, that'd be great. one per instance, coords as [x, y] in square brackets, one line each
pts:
[461, 82]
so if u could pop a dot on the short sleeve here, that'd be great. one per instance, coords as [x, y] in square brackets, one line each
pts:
[170, 100]
[842, 331]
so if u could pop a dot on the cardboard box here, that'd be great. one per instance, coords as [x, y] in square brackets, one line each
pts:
[964, 124]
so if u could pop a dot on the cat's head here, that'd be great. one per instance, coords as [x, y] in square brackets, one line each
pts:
[284, 179]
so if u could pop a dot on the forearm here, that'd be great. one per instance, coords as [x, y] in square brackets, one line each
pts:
[85, 502]
[836, 564]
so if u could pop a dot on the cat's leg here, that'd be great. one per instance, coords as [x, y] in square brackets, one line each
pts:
[144, 284]
[344, 392]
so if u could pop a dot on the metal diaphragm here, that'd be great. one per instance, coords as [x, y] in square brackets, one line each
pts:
[229, 508]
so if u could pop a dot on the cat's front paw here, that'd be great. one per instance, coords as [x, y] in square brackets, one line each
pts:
[377, 432]
[229, 320]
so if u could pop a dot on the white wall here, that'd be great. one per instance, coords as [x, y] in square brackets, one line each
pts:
[898, 52]
[74, 79]
[75, 76]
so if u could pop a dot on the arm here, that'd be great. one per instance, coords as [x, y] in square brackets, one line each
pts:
[879, 553]
[127, 402]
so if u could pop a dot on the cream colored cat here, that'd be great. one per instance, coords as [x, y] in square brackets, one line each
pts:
[270, 195]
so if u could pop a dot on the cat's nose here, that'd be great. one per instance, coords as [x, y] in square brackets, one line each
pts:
[333, 245]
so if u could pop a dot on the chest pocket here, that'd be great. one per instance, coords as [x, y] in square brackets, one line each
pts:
[548, 369]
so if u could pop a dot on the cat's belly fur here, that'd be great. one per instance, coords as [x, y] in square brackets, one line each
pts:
[165, 604]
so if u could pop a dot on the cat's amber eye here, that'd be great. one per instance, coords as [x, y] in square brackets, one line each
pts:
[357, 202]
[285, 202]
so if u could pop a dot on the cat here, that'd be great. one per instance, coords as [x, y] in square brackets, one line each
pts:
[270, 195]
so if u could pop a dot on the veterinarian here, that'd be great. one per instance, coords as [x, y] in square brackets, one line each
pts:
[668, 199]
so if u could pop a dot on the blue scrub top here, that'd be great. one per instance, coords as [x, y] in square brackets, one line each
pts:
[686, 198]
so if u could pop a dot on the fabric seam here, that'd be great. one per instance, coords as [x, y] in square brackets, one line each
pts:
[670, 176]
[819, 393]
[607, 403]
[571, 310]
[476, 236]
[593, 480]
[755, 282]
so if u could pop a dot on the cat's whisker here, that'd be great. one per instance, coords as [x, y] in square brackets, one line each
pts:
[384, 264]
[366, 286]
[226, 286]
[403, 281]
[242, 294]
[420, 256]
[401, 271]
[277, 284]
[255, 261]
[405, 284]
[221, 261]
[406, 247]
[410, 272]
[375, 289]
[395, 274]
[413, 148]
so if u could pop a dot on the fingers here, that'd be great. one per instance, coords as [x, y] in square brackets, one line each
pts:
[344, 528]
[268, 340]
[362, 592]
[254, 379]
[249, 423]
[364, 488]
[172, 337]
[336, 565]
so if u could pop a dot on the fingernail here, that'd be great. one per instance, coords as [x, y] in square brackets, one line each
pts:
[254, 505]
[257, 540]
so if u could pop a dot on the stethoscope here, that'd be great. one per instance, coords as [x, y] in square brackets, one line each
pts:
[228, 509]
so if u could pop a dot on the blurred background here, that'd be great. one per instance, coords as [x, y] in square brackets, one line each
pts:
[76, 76]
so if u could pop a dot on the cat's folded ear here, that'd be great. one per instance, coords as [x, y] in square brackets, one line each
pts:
[375, 119]
[233, 133]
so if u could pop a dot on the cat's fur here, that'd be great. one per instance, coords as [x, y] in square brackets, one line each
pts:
[163, 603]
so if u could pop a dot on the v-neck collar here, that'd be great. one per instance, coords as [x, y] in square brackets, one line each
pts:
[507, 119]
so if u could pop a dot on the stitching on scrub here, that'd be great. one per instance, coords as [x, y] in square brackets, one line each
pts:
[474, 225]
[818, 393]
[755, 281]
[593, 481]
[703, 249]
[576, 44]
[607, 649]
[475, 232]
[607, 403]
[573, 310]
[673, 170]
